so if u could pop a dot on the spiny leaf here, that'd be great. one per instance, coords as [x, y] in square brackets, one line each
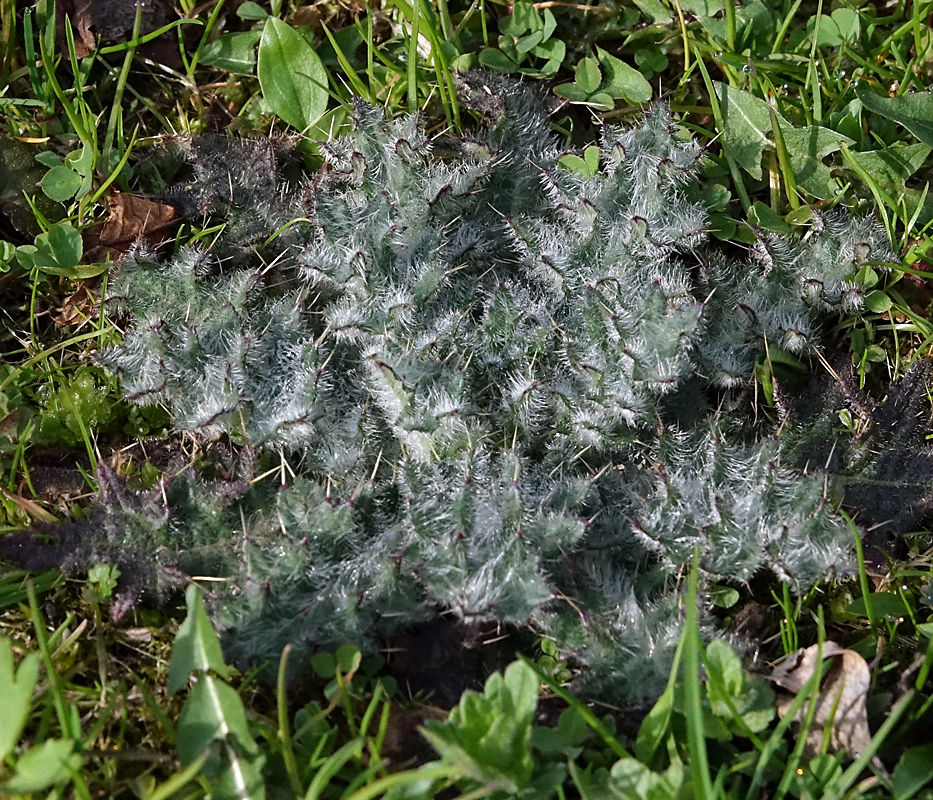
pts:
[747, 123]
[913, 111]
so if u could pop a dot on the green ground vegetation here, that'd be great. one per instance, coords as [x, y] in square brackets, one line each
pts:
[800, 106]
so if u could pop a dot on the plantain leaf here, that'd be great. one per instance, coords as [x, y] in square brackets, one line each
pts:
[214, 713]
[291, 75]
[196, 645]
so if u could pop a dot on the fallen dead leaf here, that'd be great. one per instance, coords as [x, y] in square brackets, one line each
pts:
[840, 703]
[82, 20]
[31, 508]
[81, 305]
[403, 744]
[112, 21]
[132, 218]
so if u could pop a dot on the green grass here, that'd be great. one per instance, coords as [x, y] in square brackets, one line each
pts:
[802, 105]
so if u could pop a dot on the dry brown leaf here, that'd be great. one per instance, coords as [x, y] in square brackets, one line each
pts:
[132, 218]
[841, 699]
[403, 744]
[80, 306]
[31, 508]
[113, 21]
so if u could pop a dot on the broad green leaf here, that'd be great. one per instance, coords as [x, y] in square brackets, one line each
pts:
[42, 766]
[552, 49]
[82, 161]
[488, 735]
[746, 129]
[807, 147]
[867, 277]
[80, 272]
[324, 664]
[548, 71]
[913, 771]
[654, 727]
[763, 216]
[587, 75]
[878, 302]
[622, 81]
[292, 78]
[757, 710]
[803, 215]
[496, 60]
[104, 578]
[723, 596]
[716, 197]
[550, 23]
[913, 111]
[214, 712]
[892, 166]
[601, 101]
[746, 122]
[252, 11]
[16, 688]
[233, 52]
[56, 251]
[523, 19]
[655, 10]
[64, 244]
[48, 159]
[529, 42]
[521, 684]
[848, 22]
[629, 778]
[722, 226]
[755, 24]
[884, 604]
[828, 34]
[842, 26]
[7, 254]
[465, 62]
[575, 164]
[571, 92]
[572, 726]
[60, 183]
[547, 741]
[650, 61]
[26, 256]
[197, 647]
[726, 676]
[240, 778]
[703, 8]
[348, 658]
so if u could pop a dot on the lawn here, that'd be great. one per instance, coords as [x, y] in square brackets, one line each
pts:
[453, 399]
